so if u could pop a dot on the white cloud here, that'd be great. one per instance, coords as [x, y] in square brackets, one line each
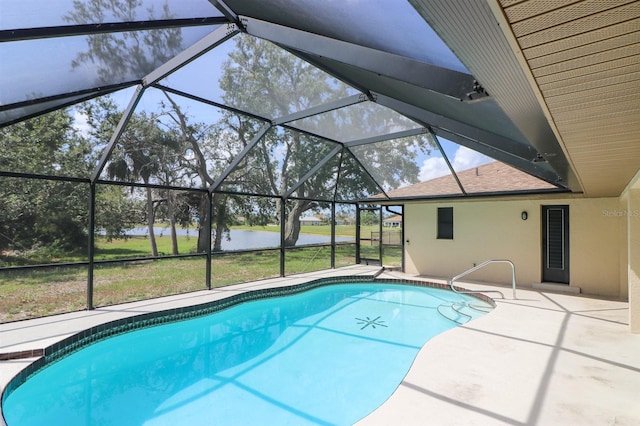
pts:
[433, 167]
[463, 159]
[80, 123]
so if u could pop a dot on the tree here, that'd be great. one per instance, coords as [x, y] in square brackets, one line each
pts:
[45, 214]
[41, 213]
[129, 56]
[140, 153]
[115, 211]
[193, 137]
[169, 174]
[260, 77]
[369, 217]
[125, 55]
[136, 54]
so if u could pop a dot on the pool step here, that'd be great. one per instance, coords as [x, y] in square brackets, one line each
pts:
[480, 306]
[462, 312]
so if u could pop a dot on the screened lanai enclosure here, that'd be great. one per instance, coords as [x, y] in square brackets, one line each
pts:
[152, 147]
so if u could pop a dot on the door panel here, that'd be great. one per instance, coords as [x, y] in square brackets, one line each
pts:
[368, 231]
[555, 244]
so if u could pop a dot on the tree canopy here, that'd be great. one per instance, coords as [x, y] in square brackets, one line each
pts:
[167, 147]
[52, 214]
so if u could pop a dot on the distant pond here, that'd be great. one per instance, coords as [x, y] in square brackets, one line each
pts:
[241, 239]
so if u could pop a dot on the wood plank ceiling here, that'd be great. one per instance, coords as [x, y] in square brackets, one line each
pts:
[584, 57]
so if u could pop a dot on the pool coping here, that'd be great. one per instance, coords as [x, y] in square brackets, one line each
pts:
[68, 345]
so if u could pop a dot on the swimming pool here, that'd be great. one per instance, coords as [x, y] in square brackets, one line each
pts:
[328, 355]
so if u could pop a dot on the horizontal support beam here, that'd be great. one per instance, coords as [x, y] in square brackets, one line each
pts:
[321, 109]
[495, 146]
[150, 185]
[431, 119]
[441, 80]
[21, 175]
[388, 136]
[540, 170]
[85, 94]
[21, 34]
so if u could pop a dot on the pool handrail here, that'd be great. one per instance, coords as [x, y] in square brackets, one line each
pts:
[481, 265]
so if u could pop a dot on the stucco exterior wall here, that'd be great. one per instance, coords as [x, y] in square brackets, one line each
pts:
[623, 241]
[633, 269]
[494, 229]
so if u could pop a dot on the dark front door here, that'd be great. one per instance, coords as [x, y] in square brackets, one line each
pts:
[555, 244]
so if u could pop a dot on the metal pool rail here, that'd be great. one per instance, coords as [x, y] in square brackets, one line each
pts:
[481, 265]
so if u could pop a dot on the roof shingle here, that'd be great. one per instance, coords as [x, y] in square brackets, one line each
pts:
[487, 178]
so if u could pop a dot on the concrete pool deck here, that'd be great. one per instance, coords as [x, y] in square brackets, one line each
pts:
[543, 359]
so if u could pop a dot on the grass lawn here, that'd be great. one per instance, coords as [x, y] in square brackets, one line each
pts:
[58, 289]
[139, 246]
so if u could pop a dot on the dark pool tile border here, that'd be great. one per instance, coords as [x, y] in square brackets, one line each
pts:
[67, 346]
[29, 353]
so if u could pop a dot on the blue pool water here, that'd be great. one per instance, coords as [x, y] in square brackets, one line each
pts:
[327, 356]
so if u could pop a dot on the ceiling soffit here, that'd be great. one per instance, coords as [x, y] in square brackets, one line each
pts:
[585, 59]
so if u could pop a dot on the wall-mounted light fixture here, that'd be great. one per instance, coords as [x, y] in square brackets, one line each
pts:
[524, 215]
